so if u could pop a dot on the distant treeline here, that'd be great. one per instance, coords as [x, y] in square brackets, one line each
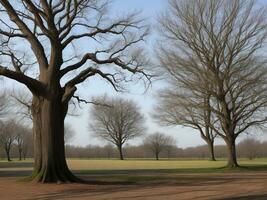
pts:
[248, 148]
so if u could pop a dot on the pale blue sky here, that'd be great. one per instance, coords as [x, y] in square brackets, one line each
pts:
[185, 137]
[150, 9]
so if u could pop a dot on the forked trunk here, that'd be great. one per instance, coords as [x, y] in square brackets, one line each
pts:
[49, 151]
[8, 155]
[232, 158]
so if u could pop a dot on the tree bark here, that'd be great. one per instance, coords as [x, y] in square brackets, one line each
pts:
[49, 149]
[157, 155]
[232, 158]
[8, 155]
[20, 155]
[211, 148]
[120, 152]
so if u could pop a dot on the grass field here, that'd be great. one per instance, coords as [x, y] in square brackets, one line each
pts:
[134, 164]
[151, 164]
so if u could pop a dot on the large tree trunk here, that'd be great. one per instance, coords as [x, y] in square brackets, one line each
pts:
[232, 158]
[49, 150]
[157, 155]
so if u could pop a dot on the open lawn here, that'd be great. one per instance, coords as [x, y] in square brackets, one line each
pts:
[142, 179]
[153, 164]
[135, 164]
[113, 164]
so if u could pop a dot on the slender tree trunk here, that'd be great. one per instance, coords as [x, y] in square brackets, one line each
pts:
[120, 152]
[8, 155]
[232, 158]
[20, 155]
[49, 149]
[211, 148]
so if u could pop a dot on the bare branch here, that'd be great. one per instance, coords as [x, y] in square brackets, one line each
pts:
[34, 85]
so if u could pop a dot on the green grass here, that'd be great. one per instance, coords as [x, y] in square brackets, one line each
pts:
[141, 165]
[153, 164]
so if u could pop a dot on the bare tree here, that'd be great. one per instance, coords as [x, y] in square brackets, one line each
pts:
[21, 134]
[3, 104]
[249, 148]
[157, 143]
[27, 146]
[171, 148]
[7, 136]
[40, 43]
[177, 107]
[215, 49]
[69, 133]
[109, 151]
[117, 121]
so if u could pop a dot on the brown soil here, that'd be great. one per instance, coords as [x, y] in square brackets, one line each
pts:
[245, 185]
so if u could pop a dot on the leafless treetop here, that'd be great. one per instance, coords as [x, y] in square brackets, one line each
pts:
[70, 39]
[216, 49]
[118, 122]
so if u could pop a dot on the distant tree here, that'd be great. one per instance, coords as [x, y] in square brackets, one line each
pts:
[170, 148]
[249, 148]
[27, 145]
[116, 120]
[3, 104]
[7, 136]
[69, 133]
[180, 107]
[157, 143]
[21, 134]
[109, 150]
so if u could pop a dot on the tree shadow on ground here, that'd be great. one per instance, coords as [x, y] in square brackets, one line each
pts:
[130, 182]
[15, 164]
[247, 197]
[153, 177]
[137, 192]
[94, 195]
[16, 173]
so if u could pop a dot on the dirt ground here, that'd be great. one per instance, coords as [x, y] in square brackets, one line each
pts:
[242, 185]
